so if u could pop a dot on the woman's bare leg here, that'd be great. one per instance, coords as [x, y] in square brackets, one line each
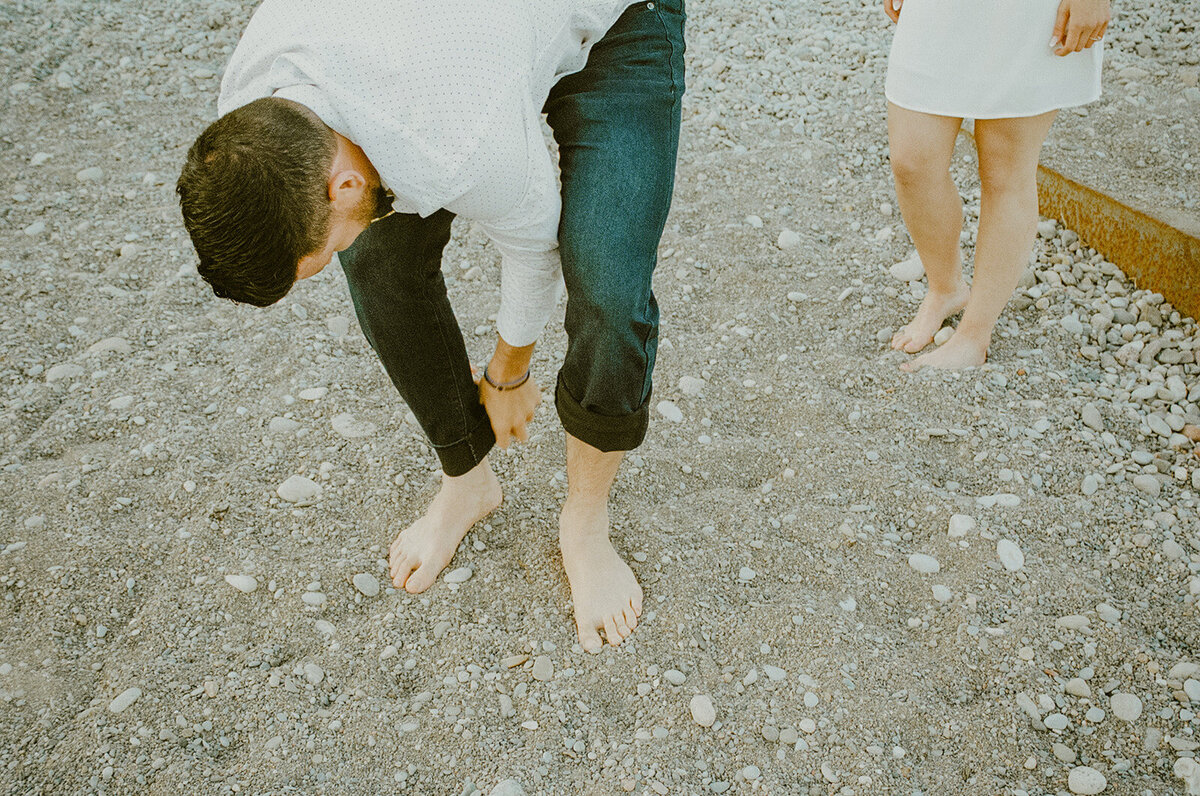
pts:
[921, 148]
[1008, 214]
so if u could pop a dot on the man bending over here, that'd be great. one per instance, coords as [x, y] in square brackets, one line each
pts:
[364, 126]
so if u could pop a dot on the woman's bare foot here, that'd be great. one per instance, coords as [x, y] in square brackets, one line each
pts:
[934, 310]
[959, 352]
[603, 588]
[423, 549]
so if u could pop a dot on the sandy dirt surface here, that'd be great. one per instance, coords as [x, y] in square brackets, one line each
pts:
[978, 583]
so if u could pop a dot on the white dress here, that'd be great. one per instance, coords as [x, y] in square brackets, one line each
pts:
[986, 59]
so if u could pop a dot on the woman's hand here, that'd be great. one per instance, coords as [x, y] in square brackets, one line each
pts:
[509, 410]
[892, 9]
[1080, 24]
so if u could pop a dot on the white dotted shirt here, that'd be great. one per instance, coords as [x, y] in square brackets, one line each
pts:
[445, 99]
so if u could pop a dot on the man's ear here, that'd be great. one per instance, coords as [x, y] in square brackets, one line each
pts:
[346, 188]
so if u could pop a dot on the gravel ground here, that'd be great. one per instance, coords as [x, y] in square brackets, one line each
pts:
[858, 581]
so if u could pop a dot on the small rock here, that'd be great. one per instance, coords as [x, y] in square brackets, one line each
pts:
[1126, 707]
[111, 345]
[313, 598]
[508, 787]
[243, 583]
[314, 674]
[1072, 324]
[1091, 417]
[125, 699]
[1047, 229]
[1055, 721]
[282, 425]
[1063, 752]
[67, 370]
[908, 270]
[543, 668]
[690, 385]
[366, 583]
[1188, 770]
[1010, 555]
[1145, 483]
[347, 426]
[313, 393]
[703, 711]
[674, 676]
[924, 564]
[774, 673]
[1090, 485]
[299, 490]
[942, 593]
[943, 335]
[459, 575]
[90, 174]
[1191, 687]
[961, 525]
[746, 574]
[1077, 687]
[1086, 781]
[35, 229]
[670, 411]
[787, 240]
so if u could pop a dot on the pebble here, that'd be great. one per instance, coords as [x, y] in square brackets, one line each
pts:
[366, 583]
[774, 673]
[67, 370]
[943, 335]
[1191, 687]
[961, 525]
[313, 674]
[543, 668]
[313, 598]
[1010, 555]
[90, 174]
[746, 574]
[787, 240]
[908, 270]
[282, 425]
[1188, 770]
[703, 711]
[508, 787]
[459, 575]
[1063, 752]
[1055, 721]
[111, 345]
[1086, 781]
[346, 425]
[942, 593]
[243, 583]
[690, 385]
[1126, 707]
[299, 490]
[670, 411]
[1148, 484]
[1090, 485]
[313, 393]
[1072, 324]
[674, 676]
[125, 699]
[924, 564]
[1078, 687]
[36, 228]
[1091, 417]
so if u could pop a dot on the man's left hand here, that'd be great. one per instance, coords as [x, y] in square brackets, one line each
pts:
[510, 410]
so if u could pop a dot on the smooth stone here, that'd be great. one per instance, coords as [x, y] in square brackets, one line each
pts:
[924, 564]
[346, 425]
[703, 711]
[943, 335]
[1191, 687]
[787, 240]
[1063, 752]
[325, 628]
[299, 490]
[121, 403]
[1086, 781]
[746, 574]
[670, 411]
[543, 668]
[1090, 485]
[508, 787]
[243, 583]
[111, 345]
[1188, 770]
[1055, 721]
[314, 674]
[690, 385]
[1077, 687]
[674, 676]
[774, 673]
[1095, 715]
[90, 174]
[942, 593]
[459, 575]
[282, 425]
[961, 525]
[313, 393]
[366, 583]
[1126, 707]
[908, 270]
[1145, 483]
[313, 598]
[1072, 324]
[1091, 417]
[1073, 622]
[1010, 555]
[125, 699]
[67, 370]
[338, 324]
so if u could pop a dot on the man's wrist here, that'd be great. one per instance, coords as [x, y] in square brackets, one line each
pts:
[509, 363]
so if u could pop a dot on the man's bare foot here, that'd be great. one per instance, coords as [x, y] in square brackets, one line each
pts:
[603, 588]
[934, 310]
[423, 549]
[959, 352]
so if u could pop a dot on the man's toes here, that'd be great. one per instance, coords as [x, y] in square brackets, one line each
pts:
[913, 346]
[611, 633]
[622, 627]
[402, 569]
[630, 618]
[635, 602]
[589, 639]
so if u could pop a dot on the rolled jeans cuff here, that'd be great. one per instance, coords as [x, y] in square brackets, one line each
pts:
[459, 458]
[603, 432]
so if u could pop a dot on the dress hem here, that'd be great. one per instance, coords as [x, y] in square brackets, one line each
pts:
[1022, 115]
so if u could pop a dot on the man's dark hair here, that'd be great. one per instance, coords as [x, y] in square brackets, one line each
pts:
[254, 195]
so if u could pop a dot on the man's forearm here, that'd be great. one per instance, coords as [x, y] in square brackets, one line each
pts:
[509, 363]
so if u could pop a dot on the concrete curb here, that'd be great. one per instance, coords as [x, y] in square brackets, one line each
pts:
[1157, 254]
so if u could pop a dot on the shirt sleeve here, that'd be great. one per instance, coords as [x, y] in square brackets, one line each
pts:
[516, 203]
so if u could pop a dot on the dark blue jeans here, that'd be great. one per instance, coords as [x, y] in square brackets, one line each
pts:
[617, 127]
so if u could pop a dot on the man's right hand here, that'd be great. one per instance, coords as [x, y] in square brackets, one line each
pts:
[510, 410]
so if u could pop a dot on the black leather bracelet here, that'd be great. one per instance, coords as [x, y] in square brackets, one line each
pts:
[506, 385]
